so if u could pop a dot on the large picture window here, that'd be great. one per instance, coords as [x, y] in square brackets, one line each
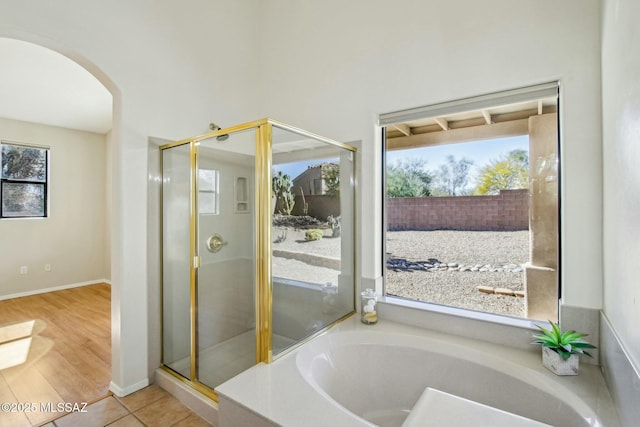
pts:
[471, 197]
[24, 180]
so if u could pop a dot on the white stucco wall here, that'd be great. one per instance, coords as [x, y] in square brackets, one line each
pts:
[329, 67]
[71, 238]
[621, 149]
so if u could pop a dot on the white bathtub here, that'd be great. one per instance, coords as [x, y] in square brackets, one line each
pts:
[379, 376]
[358, 375]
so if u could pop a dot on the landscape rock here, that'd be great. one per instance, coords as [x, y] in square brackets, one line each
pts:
[458, 287]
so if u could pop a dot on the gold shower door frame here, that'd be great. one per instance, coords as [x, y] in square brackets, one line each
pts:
[263, 220]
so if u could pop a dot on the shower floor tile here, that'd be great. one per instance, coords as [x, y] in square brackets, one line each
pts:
[223, 361]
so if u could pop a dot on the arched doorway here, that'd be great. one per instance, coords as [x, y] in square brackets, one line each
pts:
[61, 315]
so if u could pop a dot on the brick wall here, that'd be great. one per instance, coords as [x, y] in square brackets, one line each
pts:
[507, 211]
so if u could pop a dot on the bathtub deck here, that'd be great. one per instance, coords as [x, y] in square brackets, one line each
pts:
[269, 389]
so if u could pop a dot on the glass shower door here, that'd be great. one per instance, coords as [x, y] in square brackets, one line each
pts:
[226, 284]
[312, 274]
[176, 259]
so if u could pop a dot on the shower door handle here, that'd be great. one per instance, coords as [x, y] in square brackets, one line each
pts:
[215, 243]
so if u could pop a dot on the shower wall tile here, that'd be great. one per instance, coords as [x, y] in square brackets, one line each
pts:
[586, 321]
[621, 376]
[225, 300]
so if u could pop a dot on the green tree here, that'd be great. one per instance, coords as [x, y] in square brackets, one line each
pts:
[452, 177]
[23, 163]
[408, 178]
[507, 173]
[331, 177]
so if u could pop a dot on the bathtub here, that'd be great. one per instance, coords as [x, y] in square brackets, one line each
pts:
[358, 375]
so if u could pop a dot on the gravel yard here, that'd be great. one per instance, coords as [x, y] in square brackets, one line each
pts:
[442, 267]
[481, 250]
[297, 270]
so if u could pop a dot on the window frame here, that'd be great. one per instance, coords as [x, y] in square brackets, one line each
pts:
[213, 192]
[45, 183]
[456, 106]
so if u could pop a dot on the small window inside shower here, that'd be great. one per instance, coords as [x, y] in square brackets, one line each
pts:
[208, 189]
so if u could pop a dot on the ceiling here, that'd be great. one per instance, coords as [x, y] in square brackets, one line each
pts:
[42, 86]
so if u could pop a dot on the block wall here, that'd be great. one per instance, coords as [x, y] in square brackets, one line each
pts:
[507, 211]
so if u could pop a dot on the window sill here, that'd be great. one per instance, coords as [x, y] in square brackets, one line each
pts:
[17, 218]
[463, 313]
[492, 328]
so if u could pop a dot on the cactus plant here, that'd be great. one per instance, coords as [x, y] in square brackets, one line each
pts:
[281, 185]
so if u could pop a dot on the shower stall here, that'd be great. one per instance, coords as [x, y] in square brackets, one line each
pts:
[258, 247]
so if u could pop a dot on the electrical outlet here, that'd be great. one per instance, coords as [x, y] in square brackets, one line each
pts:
[24, 269]
[47, 267]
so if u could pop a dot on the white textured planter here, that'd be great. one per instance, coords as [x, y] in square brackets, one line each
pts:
[559, 366]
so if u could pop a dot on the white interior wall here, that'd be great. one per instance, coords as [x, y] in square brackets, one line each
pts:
[621, 149]
[72, 237]
[354, 60]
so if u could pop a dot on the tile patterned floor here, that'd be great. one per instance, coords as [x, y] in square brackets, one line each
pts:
[151, 407]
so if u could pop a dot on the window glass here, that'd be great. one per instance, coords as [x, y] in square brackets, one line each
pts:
[24, 181]
[208, 200]
[472, 209]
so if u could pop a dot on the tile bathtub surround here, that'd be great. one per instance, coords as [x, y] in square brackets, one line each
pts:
[150, 406]
[586, 321]
[488, 327]
[622, 378]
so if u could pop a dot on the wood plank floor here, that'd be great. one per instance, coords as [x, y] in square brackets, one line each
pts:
[68, 337]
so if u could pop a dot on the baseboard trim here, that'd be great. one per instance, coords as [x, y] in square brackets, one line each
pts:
[53, 289]
[121, 392]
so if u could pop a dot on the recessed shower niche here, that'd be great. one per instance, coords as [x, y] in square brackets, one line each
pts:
[242, 281]
[242, 194]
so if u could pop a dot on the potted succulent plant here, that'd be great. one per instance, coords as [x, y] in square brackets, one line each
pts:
[561, 350]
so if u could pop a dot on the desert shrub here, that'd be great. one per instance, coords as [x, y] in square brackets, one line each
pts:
[313, 234]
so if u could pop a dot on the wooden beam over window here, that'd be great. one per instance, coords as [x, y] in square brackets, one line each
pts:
[467, 134]
[487, 116]
[444, 124]
[405, 129]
